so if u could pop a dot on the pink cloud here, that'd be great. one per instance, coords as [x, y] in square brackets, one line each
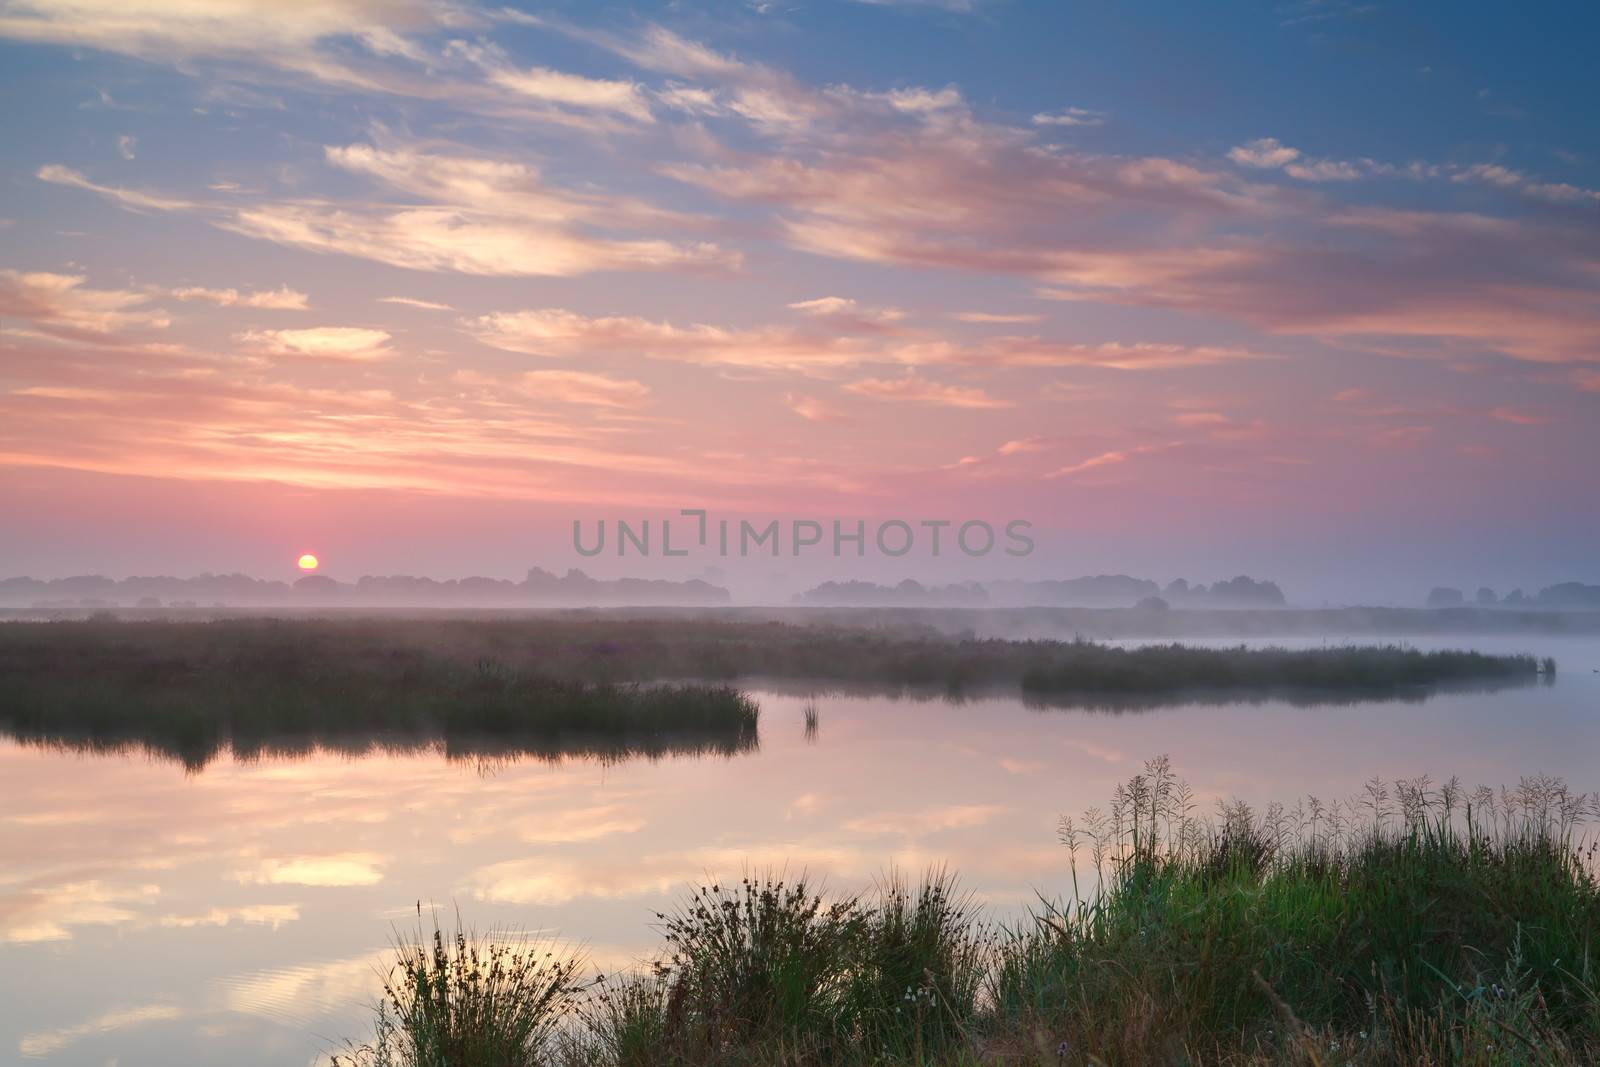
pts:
[352, 343]
[567, 387]
[1104, 459]
[844, 335]
[1519, 417]
[63, 305]
[811, 409]
[918, 390]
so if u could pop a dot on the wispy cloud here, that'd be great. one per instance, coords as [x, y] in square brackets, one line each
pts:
[845, 335]
[919, 390]
[355, 344]
[330, 869]
[280, 299]
[410, 301]
[489, 218]
[843, 313]
[1104, 459]
[557, 332]
[1519, 417]
[345, 44]
[568, 387]
[63, 305]
[995, 317]
[129, 198]
[1021, 444]
[559, 87]
[811, 409]
[1267, 153]
[1072, 116]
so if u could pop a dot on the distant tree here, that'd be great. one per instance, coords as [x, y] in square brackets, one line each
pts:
[1442, 596]
[1486, 595]
[319, 585]
[1515, 597]
[1153, 603]
[1570, 595]
[1245, 591]
[908, 592]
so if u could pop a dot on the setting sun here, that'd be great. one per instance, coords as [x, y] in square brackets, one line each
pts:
[307, 562]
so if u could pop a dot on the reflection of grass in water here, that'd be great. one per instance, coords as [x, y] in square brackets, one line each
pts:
[1294, 696]
[1088, 668]
[488, 754]
[1418, 924]
[1114, 703]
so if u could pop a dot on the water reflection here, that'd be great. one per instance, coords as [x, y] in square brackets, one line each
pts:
[812, 692]
[487, 752]
[492, 751]
[238, 912]
[1298, 698]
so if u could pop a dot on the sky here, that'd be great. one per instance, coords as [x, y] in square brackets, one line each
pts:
[1306, 290]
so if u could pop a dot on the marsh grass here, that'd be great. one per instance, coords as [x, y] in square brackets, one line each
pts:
[482, 666]
[1389, 928]
[1417, 923]
[468, 1001]
[189, 691]
[772, 969]
[762, 960]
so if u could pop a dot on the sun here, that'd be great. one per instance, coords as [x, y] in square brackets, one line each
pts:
[307, 562]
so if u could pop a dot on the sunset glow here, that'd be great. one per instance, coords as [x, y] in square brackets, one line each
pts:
[983, 487]
[414, 261]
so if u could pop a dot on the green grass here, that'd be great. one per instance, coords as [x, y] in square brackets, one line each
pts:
[1420, 924]
[1401, 928]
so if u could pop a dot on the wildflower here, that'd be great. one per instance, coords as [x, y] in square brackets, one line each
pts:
[1061, 1051]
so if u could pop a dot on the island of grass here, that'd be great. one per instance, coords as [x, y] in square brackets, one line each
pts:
[498, 662]
[189, 691]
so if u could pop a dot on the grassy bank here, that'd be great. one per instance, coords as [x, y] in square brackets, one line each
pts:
[1419, 924]
[590, 648]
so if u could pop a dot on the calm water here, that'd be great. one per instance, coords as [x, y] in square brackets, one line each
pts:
[155, 918]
